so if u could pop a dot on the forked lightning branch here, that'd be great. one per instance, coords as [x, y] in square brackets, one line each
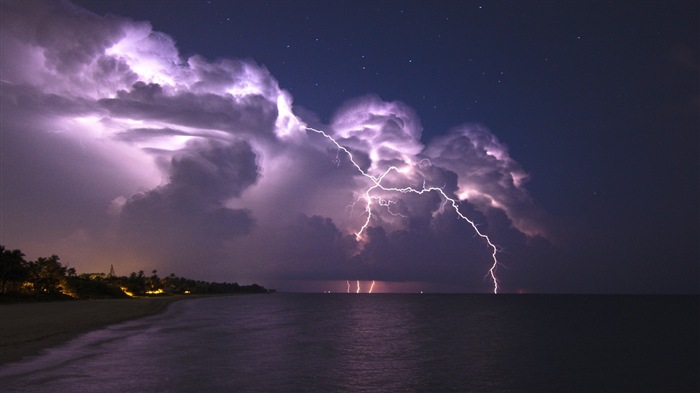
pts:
[371, 199]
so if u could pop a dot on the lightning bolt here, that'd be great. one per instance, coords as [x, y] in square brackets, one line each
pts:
[377, 184]
[371, 287]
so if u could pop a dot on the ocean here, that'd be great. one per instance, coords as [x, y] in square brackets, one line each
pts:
[288, 342]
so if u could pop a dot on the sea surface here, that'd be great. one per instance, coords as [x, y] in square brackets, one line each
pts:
[384, 343]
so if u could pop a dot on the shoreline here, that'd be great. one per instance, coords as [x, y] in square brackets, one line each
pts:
[28, 328]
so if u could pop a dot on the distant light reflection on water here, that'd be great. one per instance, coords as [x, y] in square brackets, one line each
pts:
[399, 343]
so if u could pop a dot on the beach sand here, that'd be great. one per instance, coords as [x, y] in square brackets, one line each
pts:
[27, 328]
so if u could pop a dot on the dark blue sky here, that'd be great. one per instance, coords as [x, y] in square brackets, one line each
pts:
[597, 100]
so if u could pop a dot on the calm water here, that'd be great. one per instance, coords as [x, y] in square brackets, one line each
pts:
[384, 343]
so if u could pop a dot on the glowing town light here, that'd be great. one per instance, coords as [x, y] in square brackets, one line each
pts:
[126, 291]
[377, 184]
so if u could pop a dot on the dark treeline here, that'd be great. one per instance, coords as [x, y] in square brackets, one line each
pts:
[47, 279]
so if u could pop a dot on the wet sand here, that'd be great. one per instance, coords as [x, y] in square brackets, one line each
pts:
[27, 328]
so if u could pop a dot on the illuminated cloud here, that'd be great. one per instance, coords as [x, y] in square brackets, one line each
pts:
[203, 167]
[487, 176]
[387, 133]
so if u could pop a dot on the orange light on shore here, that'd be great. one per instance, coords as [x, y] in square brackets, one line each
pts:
[126, 291]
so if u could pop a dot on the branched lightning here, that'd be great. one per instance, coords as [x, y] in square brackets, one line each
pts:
[377, 184]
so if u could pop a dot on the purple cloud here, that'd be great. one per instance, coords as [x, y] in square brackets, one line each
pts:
[212, 172]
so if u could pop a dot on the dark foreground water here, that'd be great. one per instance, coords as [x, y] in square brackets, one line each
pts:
[384, 343]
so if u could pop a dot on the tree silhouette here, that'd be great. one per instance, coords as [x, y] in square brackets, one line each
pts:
[47, 278]
[47, 275]
[136, 283]
[13, 270]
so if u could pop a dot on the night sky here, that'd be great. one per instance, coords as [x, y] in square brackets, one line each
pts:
[171, 135]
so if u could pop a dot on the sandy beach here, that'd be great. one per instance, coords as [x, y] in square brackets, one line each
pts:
[27, 328]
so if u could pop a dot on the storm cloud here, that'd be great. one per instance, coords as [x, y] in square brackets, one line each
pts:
[204, 168]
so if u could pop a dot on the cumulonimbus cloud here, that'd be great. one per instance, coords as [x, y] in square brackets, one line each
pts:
[226, 165]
